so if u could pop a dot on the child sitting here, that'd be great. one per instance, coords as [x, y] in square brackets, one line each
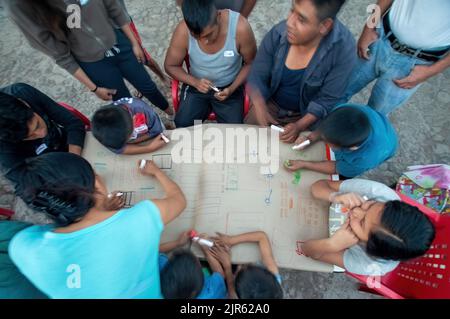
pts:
[249, 281]
[360, 137]
[378, 233]
[121, 126]
[182, 276]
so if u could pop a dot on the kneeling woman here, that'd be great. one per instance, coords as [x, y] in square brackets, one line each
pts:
[91, 251]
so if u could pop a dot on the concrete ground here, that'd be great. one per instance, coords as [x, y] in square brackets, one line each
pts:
[423, 124]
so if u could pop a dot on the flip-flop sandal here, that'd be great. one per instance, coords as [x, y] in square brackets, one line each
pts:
[6, 213]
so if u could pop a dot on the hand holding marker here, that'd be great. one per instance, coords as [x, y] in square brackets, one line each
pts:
[201, 241]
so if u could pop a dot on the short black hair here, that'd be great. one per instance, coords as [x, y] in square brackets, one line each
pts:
[328, 9]
[182, 277]
[14, 118]
[405, 233]
[112, 126]
[198, 14]
[346, 127]
[254, 282]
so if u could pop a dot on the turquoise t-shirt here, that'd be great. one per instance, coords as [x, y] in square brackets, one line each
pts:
[115, 259]
[380, 146]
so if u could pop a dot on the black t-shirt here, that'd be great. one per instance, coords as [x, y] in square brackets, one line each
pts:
[63, 129]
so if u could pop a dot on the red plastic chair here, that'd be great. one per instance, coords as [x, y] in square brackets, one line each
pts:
[6, 212]
[78, 114]
[212, 116]
[427, 277]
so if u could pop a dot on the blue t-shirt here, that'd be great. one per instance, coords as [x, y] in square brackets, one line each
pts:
[380, 146]
[145, 120]
[115, 259]
[213, 288]
[287, 95]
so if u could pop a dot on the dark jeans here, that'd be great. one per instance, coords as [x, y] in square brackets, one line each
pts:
[197, 106]
[110, 73]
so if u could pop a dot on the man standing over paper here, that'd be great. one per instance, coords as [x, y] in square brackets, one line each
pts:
[300, 72]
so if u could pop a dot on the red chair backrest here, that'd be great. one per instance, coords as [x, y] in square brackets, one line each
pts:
[78, 114]
[427, 277]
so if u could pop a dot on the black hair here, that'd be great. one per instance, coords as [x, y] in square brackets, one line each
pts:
[14, 118]
[48, 15]
[112, 126]
[198, 14]
[182, 277]
[328, 9]
[61, 185]
[253, 282]
[346, 127]
[405, 233]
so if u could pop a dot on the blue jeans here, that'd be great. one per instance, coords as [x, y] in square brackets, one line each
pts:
[384, 66]
[110, 73]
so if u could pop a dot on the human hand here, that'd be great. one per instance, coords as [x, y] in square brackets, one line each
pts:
[223, 95]
[203, 85]
[301, 139]
[368, 36]
[344, 237]
[139, 53]
[348, 200]
[113, 202]
[223, 254]
[418, 75]
[184, 238]
[105, 94]
[150, 168]
[223, 239]
[291, 133]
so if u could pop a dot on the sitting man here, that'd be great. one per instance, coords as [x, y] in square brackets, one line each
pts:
[32, 124]
[221, 47]
[361, 138]
[300, 72]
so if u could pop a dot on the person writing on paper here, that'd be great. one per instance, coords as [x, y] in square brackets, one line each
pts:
[360, 137]
[126, 123]
[221, 48]
[301, 69]
[87, 240]
[378, 233]
[182, 276]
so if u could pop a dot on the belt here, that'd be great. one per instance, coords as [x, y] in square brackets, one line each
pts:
[432, 56]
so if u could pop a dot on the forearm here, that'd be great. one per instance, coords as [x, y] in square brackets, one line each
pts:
[241, 78]
[167, 247]
[170, 187]
[317, 248]
[75, 149]
[440, 66]
[214, 264]
[229, 279]
[323, 189]
[306, 121]
[252, 237]
[325, 167]
[81, 76]
[178, 73]
[130, 35]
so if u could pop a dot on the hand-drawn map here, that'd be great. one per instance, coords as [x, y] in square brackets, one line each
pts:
[231, 198]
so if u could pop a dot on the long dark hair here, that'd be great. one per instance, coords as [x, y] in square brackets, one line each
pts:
[48, 15]
[61, 185]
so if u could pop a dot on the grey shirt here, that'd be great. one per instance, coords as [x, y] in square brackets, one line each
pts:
[86, 44]
[356, 260]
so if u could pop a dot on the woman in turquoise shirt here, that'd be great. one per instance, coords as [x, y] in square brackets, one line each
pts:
[90, 251]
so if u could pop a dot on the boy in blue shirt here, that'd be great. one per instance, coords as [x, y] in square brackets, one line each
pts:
[360, 137]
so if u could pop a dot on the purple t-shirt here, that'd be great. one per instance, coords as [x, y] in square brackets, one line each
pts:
[145, 120]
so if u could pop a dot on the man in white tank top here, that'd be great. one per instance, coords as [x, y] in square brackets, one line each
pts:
[220, 46]
[410, 44]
